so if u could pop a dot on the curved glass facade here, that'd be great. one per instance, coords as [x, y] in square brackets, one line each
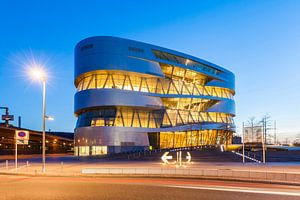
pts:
[138, 83]
[132, 95]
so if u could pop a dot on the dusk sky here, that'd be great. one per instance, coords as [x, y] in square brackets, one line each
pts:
[259, 41]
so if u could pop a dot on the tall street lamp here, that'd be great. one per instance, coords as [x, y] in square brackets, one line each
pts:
[37, 73]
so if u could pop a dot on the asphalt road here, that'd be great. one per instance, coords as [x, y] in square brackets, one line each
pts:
[23, 187]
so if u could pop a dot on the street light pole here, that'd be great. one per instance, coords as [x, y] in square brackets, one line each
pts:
[36, 72]
[243, 143]
[264, 139]
[44, 127]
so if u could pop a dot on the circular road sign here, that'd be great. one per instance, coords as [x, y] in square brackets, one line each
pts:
[22, 134]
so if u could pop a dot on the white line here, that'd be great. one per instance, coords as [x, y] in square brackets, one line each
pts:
[249, 190]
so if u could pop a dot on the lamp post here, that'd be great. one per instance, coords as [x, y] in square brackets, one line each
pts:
[38, 74]
[44, 126]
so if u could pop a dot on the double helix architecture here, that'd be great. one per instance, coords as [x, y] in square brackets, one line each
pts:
[135, 96]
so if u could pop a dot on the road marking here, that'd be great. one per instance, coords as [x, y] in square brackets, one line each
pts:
[249, 190]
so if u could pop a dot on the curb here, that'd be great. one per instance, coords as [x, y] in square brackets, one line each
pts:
[154, 176]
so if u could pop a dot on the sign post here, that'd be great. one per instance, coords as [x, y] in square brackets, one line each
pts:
[16, 151]
[21, 137]
[243, 143]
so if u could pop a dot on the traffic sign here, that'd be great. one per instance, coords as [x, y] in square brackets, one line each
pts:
[22, 141]
[22, 135]
[166, 158]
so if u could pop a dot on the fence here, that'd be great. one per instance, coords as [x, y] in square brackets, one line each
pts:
[250, 175]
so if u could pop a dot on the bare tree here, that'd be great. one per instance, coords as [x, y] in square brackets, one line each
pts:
[297, 140]
[251, 122]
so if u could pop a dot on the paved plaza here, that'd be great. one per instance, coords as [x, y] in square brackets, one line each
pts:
[68, 165]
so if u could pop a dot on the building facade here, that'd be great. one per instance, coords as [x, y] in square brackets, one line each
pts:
[133, 96]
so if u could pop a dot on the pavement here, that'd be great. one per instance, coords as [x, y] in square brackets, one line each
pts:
[32, 187]
[68, 165]
[73, 164]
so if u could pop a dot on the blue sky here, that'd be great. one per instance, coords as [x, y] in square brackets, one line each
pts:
[258, 40]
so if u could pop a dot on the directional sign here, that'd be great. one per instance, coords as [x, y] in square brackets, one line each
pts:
[188, 157]
[166, 158]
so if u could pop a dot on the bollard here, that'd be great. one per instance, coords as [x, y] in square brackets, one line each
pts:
[27, 163]
[62, 166]
[6, 164]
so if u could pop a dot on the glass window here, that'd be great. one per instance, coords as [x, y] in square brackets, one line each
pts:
[75, 151]
[84, 150]
[184, 61]
[99, 150]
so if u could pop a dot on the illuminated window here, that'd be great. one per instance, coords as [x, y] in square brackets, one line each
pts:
[75, 151]
[83, 150]
[184, 61]
[99, 150]
[181, 81]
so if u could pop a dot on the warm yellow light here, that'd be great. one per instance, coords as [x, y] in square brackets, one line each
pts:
[37, 73]
[187, 61]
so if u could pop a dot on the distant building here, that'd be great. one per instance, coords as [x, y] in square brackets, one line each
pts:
[134, 96]
[55, 142]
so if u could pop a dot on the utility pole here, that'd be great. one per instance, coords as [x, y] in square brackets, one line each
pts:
[16, 151]
[263, 139]
[243, 143]
[275, 138]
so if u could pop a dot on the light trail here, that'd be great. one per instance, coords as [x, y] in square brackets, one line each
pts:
[236, 189]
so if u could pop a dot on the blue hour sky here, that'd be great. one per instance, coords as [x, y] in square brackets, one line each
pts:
[258, 40]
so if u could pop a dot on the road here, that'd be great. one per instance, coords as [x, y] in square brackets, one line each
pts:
[31, 187]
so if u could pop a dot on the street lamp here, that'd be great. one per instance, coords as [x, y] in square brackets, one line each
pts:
[50, 118]
[37, 73]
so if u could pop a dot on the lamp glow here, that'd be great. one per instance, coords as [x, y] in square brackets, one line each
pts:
[37, 73]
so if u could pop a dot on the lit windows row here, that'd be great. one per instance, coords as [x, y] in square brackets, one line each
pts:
[150, 85]
[194, 138]
[184, 61]
[192, 104]
[127, 117]
[179, 73]
[87, 150]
